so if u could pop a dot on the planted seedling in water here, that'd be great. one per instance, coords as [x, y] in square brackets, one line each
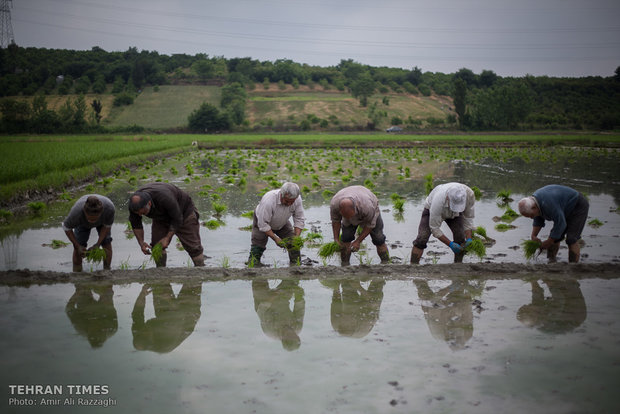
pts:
[596, 223]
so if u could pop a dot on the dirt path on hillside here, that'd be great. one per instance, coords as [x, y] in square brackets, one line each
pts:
[481, 271]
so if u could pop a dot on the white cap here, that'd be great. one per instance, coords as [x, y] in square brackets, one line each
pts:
[457, 197]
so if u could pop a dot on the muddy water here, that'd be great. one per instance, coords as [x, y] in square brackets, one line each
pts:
[216, 176]
[345, 345]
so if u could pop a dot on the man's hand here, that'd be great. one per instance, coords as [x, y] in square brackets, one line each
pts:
[456, 248]
[146, 248]
[81, 250]
[355, 246]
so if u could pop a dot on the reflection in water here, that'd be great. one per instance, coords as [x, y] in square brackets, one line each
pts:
[273, 308]
[564, 311]
[355, 310]
[94, 318]
[448, 311]
[9, 245]
[175, 316]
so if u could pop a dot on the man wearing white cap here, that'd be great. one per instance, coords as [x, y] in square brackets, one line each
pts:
[454, 204]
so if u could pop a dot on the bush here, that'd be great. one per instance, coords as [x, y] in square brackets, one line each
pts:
[207, 118]
[123, 99]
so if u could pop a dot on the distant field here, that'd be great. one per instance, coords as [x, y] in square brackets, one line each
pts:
[167, 108]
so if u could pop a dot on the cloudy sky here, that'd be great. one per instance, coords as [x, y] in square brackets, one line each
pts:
[510, 37]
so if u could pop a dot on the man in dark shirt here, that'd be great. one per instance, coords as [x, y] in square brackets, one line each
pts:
[566, 208]
[173, 212]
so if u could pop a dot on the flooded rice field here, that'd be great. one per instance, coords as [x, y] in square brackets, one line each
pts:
[501, 334]
[226, 185]
[548, 344]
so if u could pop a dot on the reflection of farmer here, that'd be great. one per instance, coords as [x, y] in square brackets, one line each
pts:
[352, 207]
[564, 311]
[90, 211]
[271, 220]
[355, 310]
[175, 317]
[566, 208]
[273, 309]
[93, 318]
[454, 204]
[173, 212]
[448, 311]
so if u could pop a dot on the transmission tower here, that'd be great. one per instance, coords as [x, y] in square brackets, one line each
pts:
[6, 28]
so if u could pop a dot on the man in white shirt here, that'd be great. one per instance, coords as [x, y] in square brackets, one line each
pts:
[271, 221]
[454, 204]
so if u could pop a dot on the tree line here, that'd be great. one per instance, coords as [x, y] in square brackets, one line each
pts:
[484, 101]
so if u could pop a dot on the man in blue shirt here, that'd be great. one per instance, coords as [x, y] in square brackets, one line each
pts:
[567, 208]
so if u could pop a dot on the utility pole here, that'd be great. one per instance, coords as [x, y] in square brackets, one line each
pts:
[6, 28]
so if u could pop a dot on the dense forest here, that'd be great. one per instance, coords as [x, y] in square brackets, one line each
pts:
[482, 101]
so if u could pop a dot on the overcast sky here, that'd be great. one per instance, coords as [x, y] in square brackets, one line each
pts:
[510, 37]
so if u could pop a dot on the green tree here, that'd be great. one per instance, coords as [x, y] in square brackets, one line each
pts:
[207, 118]
[203, 68]
[363, 88]
[502, 107]
[460, 99]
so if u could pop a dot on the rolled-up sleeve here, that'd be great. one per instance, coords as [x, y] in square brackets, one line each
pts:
[299, 217]
[264, 212]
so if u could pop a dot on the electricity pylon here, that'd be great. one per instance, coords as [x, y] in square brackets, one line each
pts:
[6, 28]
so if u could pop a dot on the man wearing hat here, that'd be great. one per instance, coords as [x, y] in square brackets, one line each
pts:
[454, 204]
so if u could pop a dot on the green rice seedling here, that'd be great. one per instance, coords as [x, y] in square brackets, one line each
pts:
[504, 227]
[213, 224]
[313, 239]
[596, 223]
[428, 183]
[504, 196]
[509, 215]
[248, 214]
[95, 255]
[530, 248]
[399, 205]
[369, 184]
[477, 193]
[218, 208]
[5, 215]
[225, 262]
[481, 231]
[157, 252]
[327, 194]
[57, 244]
[246, 228]
[36, 207]
[293, 243]
[328, 250]
[476, 247]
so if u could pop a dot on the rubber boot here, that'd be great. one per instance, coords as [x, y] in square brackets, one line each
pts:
[574, 253]
[383, 253]
[199, 261]
[107, 262]
[458, 257]
[162, 261]
[77, 262]
[256, 252]
[416, 255]
[552, 252]
[345, 255]
[294, 257]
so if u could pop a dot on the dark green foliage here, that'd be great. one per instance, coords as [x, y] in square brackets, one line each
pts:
[530, 248]
[328, 250]
[208, 118]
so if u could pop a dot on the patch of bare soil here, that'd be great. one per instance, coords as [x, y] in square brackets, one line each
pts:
[480, 271]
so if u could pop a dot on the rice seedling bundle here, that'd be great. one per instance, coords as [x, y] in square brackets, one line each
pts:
[530, 248]
[157, 252]
[476, 247]
[329, 249]
[95, 255]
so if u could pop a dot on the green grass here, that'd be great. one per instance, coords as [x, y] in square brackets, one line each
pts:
[167, 108]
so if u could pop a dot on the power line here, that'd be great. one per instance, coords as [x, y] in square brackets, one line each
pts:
[6, 28]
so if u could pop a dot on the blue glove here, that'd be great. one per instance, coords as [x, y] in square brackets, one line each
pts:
[456, 248]
[467, 243]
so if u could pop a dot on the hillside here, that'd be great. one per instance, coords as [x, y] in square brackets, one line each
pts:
[277, 109]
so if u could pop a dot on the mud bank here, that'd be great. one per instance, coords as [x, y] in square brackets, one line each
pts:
[481, 271]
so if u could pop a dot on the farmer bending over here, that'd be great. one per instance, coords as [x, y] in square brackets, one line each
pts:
[271, 221]
[173, 212]
[454, 204]
[352, 207]
[90, 211]
[567, 208]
